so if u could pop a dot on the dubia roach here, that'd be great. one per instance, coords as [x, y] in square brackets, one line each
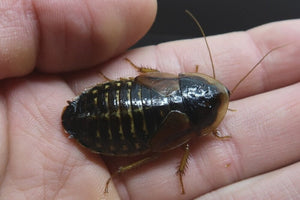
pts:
[154, 112]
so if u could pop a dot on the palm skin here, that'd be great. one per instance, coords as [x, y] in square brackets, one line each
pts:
[39, 161]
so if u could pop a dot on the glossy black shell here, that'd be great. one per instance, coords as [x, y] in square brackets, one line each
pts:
[122, 117]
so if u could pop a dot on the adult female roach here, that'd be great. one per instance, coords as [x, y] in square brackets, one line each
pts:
[154, 112]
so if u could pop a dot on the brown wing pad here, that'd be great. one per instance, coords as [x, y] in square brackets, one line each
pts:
[163, 83]
[174, 131]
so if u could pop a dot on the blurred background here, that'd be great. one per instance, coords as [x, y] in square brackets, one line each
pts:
[215, 16]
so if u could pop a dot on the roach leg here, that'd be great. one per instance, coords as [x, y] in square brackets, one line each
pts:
[140, 69]
[126, 168]
[216, 133]
[232, 110]
[197, 69]
[183, 165]
[105, 77]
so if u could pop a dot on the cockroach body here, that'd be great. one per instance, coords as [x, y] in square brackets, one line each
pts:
[154, 112]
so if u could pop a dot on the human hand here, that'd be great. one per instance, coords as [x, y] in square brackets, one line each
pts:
[40, 162]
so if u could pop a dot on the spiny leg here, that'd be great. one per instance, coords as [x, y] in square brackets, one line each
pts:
[126, 168]
[140, 69]
[182, 166]
[217, 134]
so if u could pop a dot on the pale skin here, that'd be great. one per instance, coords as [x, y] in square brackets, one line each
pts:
[39, 161]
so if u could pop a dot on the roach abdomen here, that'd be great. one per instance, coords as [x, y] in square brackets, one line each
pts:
[116, 118]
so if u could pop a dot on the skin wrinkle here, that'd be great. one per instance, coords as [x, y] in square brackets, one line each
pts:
[33, 21]
[125, 188]
[159, 51]
[178, 67]
[88, 34]
[31, 113]
[234, 154]
[64, 29]
[9, 107]
[263, 67]
[210, 186]
[41, 106]
[44, 185]
[4, 158]
[13, 185]
[242, 189]
[237, 165]
[25, 179]
[66, 171]
[269, 193]
[222, 151]
[64, 178]
[39, 34]
[288, 187]
[206, 59]
[65, 35]
[219, 64]
[38, 112]
[156, 50]
[296, 189]
[152, 50]
[3, 178]
[258, 55]
[112, 37]
[201, 164]
[264, 77]
[18, 32]
[92, 31]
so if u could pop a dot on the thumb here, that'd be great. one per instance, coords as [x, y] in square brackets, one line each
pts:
[61, 36]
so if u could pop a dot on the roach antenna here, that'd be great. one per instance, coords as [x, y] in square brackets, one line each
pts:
[256, 65]
[202, 32]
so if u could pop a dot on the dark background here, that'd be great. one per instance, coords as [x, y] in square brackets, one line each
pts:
[215, 16]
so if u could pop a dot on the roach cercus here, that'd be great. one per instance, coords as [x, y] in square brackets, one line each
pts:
[154, 112]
